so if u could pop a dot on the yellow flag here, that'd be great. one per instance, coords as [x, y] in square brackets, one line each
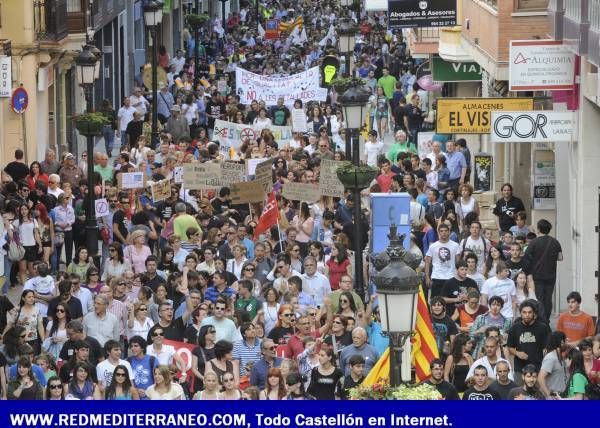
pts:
[380, 371]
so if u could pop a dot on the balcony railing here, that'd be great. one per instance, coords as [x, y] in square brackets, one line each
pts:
[50, 19]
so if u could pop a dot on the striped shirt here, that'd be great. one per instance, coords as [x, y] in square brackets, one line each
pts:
[246, 354]
[119, 310]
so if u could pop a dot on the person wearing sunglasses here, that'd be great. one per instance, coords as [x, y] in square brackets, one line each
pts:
[258, 374]
[165, 354]
[225, 328]
[284, 329]
[139, 322]
[121, 387]
[54, 390]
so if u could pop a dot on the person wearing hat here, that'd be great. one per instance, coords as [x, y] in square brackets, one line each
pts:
[70, 172]
[177, 125]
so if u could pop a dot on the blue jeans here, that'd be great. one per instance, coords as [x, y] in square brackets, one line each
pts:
[109, 137]
[7, 267]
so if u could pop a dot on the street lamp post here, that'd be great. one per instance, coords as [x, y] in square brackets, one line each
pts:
[397, 290]
[347, 33]
[153, 11]
[88, 70]
[224, 19]
[197, 49]
[354, 102]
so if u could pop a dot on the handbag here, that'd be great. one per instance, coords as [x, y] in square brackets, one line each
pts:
[59, 238]
[16, 251]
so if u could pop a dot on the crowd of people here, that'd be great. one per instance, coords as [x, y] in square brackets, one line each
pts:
[271, 315]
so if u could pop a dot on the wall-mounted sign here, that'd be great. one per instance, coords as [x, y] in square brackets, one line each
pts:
[533, 126]
[5, 76]
[445, 71]
[421, 13]
[536, 65]
[19, 100]
[473, 115]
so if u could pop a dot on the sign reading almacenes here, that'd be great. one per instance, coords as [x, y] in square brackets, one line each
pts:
[421, 13]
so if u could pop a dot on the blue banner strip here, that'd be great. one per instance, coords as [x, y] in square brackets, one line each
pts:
[258, 414]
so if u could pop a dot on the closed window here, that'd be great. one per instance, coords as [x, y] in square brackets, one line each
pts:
[74, 6]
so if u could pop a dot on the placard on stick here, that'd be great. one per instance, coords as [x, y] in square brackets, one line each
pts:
[329, 183]
[263, 174]
[301, 192]
[246, 192]
[131, 180]
[198, 176]
[161, 190]
[231, 173]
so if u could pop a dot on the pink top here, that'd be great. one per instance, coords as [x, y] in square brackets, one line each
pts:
[136, 259]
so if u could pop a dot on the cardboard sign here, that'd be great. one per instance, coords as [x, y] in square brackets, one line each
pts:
[474, 115]
[329, 183]
[131, 180]
[299, 123]
[246, 192]
[161, 190]
[301, 192]
[201, 175]
[178, 174]
[253, 163]
[231, 173]
[263, 174]
[101, 207]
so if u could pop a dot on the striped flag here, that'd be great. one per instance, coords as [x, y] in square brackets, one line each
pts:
[424, 348]
[286, 27]
[380, 371]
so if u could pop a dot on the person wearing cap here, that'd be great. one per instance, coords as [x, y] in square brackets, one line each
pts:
[177, 125]
[164, 102]
[70, 172]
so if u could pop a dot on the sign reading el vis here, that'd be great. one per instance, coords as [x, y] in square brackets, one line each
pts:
[474, 115]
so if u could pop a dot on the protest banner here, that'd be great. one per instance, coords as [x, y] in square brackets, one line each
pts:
[301, 192]
[201, 175]
[251, 165]
[131, 180]
[263, 174]
[246, 192]
[329, 183]
[232, 135]
[160, 190]
[255, 87]
[231, 173]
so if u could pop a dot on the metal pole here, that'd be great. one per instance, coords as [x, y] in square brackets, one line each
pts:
[91, 224]
[197, 50]
[348, 133]
[357, 241]
[347, 64]
[223, 13]
[257, 14]
[395, 359]
[155, 136]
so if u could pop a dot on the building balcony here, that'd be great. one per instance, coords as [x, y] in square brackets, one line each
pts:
[50, 20]
[576, 25]
[76, 16]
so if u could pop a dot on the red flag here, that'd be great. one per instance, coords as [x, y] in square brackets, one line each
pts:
[184, 350]
[424, 348]
[268, 217]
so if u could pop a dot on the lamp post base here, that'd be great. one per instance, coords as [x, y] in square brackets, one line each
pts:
[397, 341]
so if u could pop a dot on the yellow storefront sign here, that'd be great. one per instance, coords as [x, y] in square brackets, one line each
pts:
[474, 115]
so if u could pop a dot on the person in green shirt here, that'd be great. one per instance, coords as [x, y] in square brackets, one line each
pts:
[103, 168]
[578, 379]
[400, 145]
[388, 83]
[245, 300]
[183, 221]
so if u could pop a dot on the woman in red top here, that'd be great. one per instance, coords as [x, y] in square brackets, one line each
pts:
[35, 174]
[338, 265]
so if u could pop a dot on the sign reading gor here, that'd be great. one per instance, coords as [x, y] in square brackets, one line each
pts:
[532, 126]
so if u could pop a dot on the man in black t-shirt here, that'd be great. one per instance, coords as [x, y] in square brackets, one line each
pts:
[17, 168]
[445, 388]
[75, 333]
[120, 220]
[480, 390]
[280, 114]
[173, 329]
[507, 207]
[455, 289]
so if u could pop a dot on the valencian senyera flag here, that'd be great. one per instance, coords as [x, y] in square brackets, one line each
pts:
[424, 348]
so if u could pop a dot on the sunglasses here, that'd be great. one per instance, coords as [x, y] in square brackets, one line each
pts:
[158, 334]
[60, 311]
[250, 269]
[344, 301]
[288, 315]
[55, 386]
[337, 322]
[229, 379]
[143, 309]
[120, 374]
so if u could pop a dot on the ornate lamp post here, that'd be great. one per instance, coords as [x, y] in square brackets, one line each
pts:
[88, 67]
[354, 102]
[347, 32]
[224, 18]
[398, 290]
[153, 14]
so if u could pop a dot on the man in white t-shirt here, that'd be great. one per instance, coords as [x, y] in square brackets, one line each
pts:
[373, 148]
[105, 369]
[125, 115]
[441, 258]
[472, 271]
[501, 285]
[139, 102]
[476, 244]
[178, 61]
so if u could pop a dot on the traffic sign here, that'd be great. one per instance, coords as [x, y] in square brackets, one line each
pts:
[19, 100]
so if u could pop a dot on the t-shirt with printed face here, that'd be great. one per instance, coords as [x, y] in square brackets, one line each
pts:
[443, 259]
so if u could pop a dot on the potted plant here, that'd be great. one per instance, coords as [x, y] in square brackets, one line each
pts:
[342, 84]
[91, 123]
[196, 21]
[382, 390]
[356, 177]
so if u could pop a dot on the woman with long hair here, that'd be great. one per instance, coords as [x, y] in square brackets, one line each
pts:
[525, 289]
[166, 264]
[12, 340]
[236, 264]
[458, 362]
[347, 306]
[284, 328]
[248, 273]
[338, 265]
[315, 119]
[139, 322]
[270, 308]
[29, 237]
[223, 362]
[36, 174]
[54, 389]
[211, 388]
[230, 389]
[92, 280]
[204, 352]
[577, 377]
[304, 224]
[81, 386]
[553, 372]
[274, 387]
[46, 231]
[316, 249]
[591, 364]
[495, 255]
[115, 266]
[25, 386]
[28, 316]
[81, 263]
[325, 378]
[164, 388]
[56, 331]
[146, 296]
[121, 387]
[295, 253]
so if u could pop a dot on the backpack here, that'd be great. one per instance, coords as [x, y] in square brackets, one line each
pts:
[464, 244]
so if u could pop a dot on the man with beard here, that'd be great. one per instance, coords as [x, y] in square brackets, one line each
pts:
[527, 338]
[529, 390]
[446, 389]
[480, 389]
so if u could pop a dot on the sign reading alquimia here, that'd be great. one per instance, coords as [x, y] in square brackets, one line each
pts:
[421, 13]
